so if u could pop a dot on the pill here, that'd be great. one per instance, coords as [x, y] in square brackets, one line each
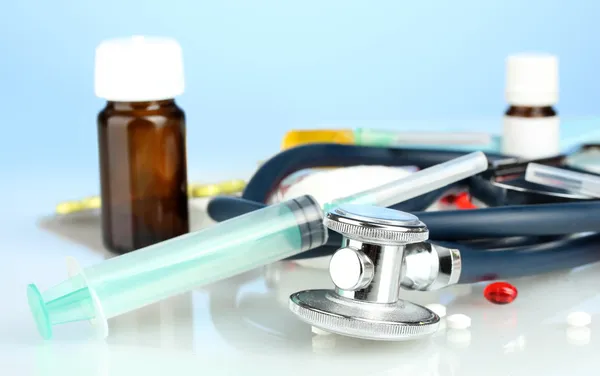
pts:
[458, 321]
[500, 293]
[92, 202]
[232, 186]
[68, 207]
[579, 319]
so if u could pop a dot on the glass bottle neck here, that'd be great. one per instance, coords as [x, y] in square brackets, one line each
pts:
[136, 106]
[531, 111]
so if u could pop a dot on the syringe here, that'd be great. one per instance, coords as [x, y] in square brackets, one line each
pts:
[131, 281]
[573, 181]
[413, 185]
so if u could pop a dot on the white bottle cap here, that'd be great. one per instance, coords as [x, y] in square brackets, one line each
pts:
[139, 69]
[532, 80]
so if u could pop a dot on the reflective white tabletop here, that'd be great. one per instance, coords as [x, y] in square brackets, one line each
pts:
[243, 326]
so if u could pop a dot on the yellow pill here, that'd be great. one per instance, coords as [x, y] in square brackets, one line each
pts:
[68, 207]
[232, 186]
[92, 202]
[190, 189]
[206, 190]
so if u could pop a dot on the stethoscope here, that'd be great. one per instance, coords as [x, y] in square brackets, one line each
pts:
[386, 249]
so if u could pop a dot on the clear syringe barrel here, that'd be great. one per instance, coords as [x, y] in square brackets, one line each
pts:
[576, 182]
[130, 281]
[419, 183]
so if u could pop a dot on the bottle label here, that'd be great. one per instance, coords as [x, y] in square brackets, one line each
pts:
[531, 138]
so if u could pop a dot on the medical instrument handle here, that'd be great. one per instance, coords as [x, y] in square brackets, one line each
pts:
[420, 182]
[380, 137]
[576, 182]
[272, 172]
[130, 281]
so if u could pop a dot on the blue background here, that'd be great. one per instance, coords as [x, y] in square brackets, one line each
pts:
[257, 68]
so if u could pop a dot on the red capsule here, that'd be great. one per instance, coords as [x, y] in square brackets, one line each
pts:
[500, 293]
[463, 202]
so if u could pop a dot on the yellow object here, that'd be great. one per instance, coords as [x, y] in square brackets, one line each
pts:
[317, 136]
[194, 191]
[223, 188]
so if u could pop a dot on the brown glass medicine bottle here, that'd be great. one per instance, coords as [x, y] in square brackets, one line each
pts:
[142, 147]
[531, 124]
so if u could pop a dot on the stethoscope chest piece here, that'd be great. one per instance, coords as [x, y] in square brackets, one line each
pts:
[367, 272]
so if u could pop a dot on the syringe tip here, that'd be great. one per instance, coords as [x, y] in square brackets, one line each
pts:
[39, 312]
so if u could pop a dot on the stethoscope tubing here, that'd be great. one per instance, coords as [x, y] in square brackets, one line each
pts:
[493, 264]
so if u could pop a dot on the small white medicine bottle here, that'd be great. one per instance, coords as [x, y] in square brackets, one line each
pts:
[531, 124]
